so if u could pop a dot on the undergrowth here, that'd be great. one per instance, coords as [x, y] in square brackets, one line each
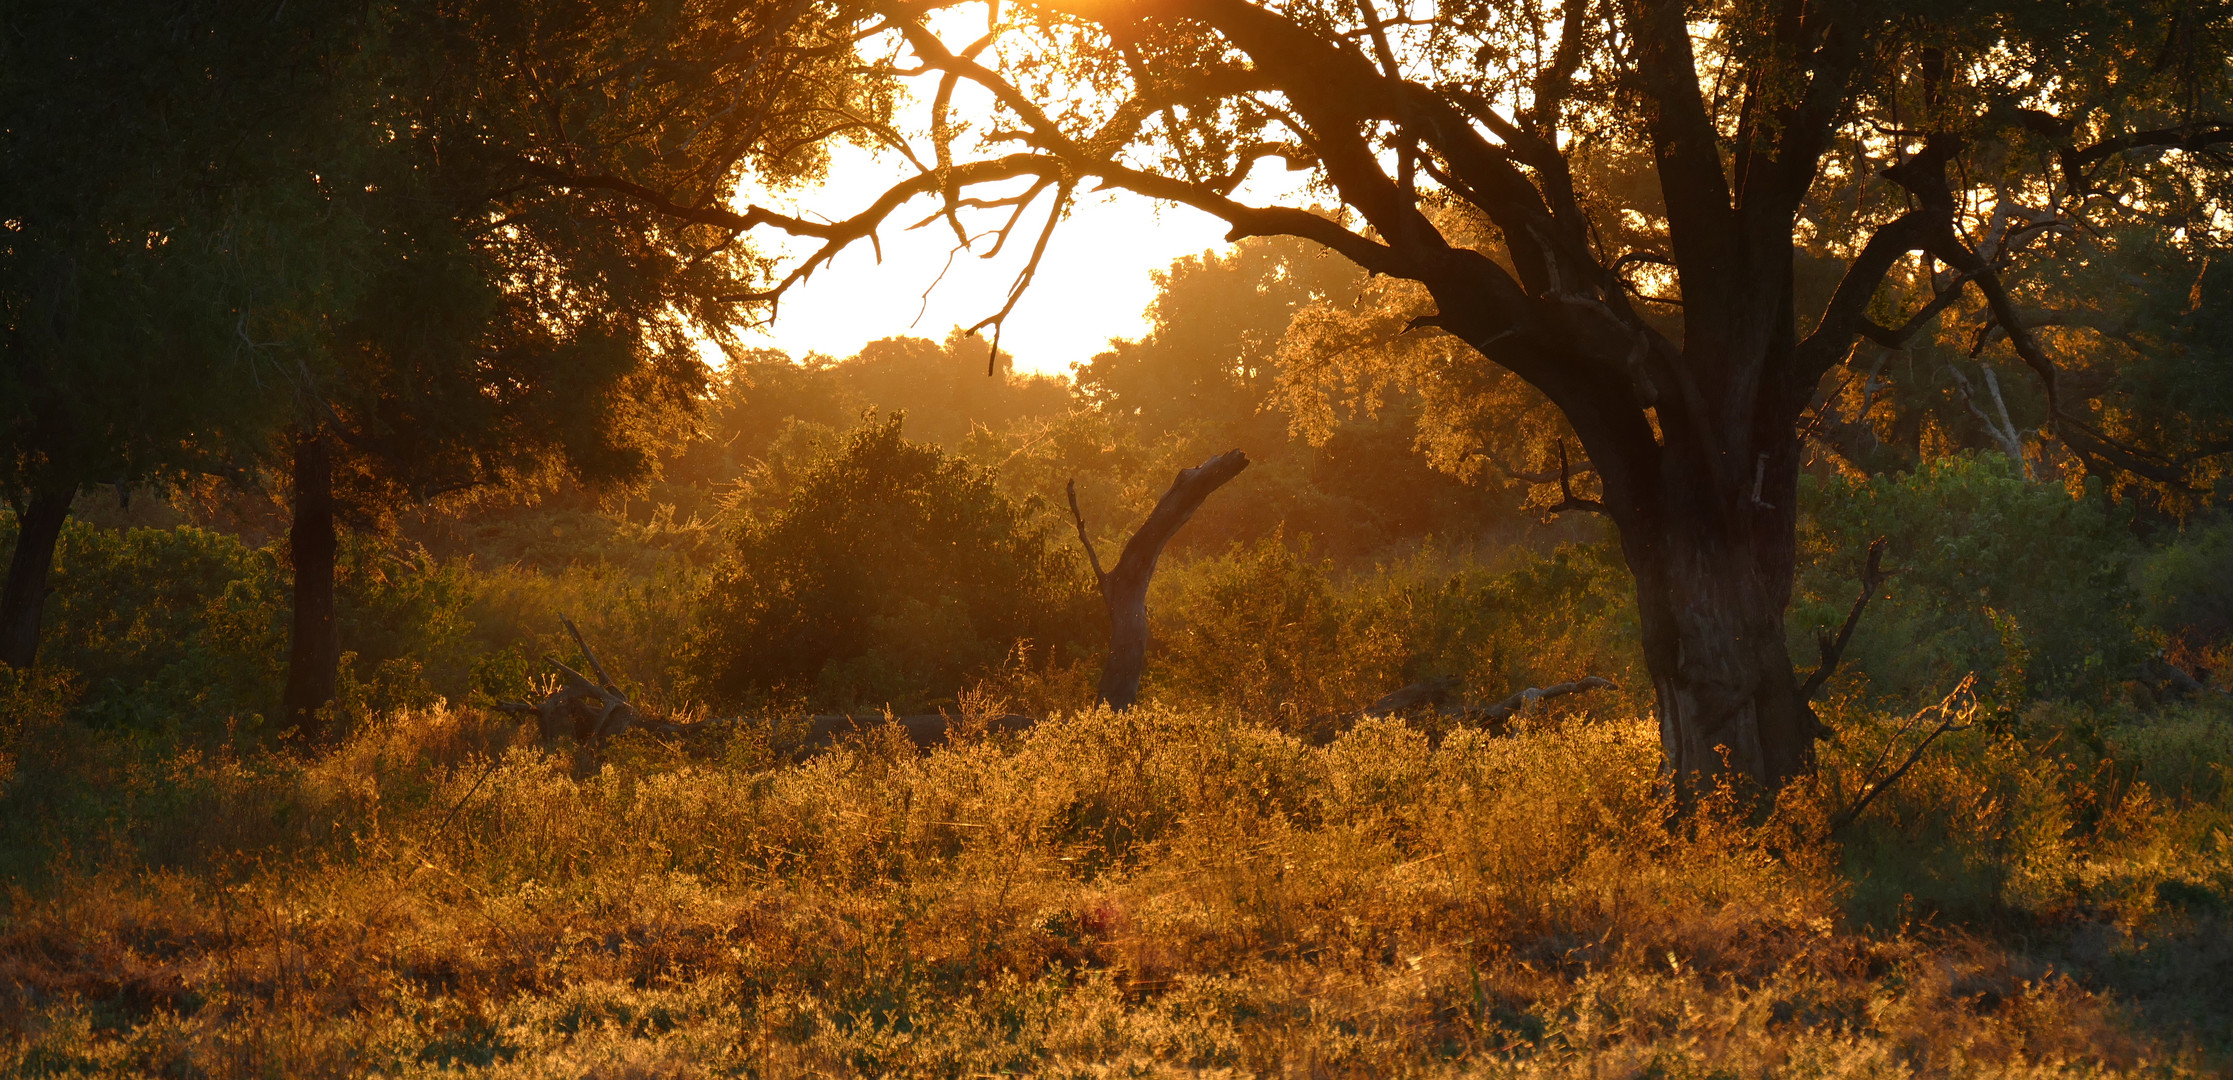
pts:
[1167, 892]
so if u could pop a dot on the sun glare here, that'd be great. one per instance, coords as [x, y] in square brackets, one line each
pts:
[1092, 285]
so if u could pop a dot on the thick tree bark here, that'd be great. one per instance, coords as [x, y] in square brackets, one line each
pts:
[314, 652]
[1713, 567]
[24, 597]
[1125, 589]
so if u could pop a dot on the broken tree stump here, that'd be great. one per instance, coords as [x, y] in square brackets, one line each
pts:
[1124, 590]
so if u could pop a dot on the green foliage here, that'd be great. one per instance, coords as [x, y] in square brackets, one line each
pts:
[2017, 581]
[638, 618]
[179, 628]
[159, 165]
[892, 573]
[182, 631]
[2187, 586]
[2068, 808]
[1260, 632]
[1217, 322]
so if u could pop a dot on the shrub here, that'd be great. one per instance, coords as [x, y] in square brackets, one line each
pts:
[178, 628]
[892, 573]
[2014, 580]
[1156, 893]
[184, 630]
[2188, 588]
[1281, 638]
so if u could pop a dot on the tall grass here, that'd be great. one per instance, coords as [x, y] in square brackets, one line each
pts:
[1159, 893]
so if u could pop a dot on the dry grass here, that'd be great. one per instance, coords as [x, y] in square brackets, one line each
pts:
[1154, 894]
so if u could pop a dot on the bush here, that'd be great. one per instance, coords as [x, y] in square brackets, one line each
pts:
[177, 628]
[1282, 639]
[2014, 580]
[184, 630]
[2187, 586]
[892, 573]
[1156, 893]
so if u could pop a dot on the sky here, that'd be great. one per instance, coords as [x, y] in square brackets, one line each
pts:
[1092, 285]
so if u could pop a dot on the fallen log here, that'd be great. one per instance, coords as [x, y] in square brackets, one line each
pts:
[1526, 699]
[588, 711]
[925, 730]
[1436, 697]
[1434, 693]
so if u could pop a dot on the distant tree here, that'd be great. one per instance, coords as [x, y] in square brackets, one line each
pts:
[405, 248]
[1215, 328]
[511, 326]
[944, 386]
[892, 574]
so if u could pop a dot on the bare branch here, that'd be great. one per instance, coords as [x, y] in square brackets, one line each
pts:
[1951, 718]
[1078, 516]
[603, 679]
[1873, 576]
[1023, 279]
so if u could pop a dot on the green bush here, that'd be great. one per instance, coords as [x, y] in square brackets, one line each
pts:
[2187, 589]
[892, 573]
[1267, 631]
[184, 630]
[2009, 578]
[170, 628]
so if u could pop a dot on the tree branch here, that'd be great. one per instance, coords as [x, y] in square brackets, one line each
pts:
[1950, 719]
[1873, 576]
[1567, 501]
[1093, 557]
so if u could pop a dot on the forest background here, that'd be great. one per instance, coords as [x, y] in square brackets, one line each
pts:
[1241, 873]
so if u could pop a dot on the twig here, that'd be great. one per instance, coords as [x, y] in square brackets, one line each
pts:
[999, 320]
[1076, 515]
[1950, 719]
[493, 761]
[1873, 576]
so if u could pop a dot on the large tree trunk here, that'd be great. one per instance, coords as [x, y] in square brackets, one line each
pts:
[1713, 570]
[24, 597]
[314, 653]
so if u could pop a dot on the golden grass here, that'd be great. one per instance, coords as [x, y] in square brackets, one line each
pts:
[1160, 893]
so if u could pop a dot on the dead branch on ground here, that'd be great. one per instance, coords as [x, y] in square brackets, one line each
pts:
[589, 711]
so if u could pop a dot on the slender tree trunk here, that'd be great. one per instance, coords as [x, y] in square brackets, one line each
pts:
[314, 653]
[24, 596]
